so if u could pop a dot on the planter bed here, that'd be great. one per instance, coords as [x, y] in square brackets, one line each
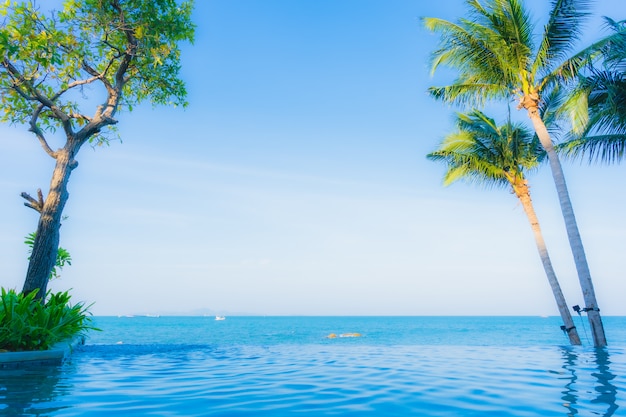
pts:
[56, 354]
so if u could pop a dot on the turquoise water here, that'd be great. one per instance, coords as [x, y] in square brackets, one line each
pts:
[285, 366]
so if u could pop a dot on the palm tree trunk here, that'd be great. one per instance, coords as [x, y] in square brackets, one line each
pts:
[580, 259]
[524, 196]
[46, 245]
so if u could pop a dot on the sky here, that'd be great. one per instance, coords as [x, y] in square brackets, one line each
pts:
[296, 183]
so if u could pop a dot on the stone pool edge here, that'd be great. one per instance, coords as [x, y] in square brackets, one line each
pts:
[57, 353]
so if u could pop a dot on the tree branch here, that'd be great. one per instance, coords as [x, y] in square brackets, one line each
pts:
[130, 52]
[43, 100]
[80, 116]
[97, 75]
[21, 80]
[74, 84]
[105, 112]
[36, 205]
[39, 133]
[17, 80]
[111, 91]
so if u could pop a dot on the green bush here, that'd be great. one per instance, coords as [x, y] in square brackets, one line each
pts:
[29, 324]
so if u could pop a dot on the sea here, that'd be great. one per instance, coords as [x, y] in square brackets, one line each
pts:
[327, 366]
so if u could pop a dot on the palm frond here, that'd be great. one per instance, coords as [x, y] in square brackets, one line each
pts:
[470, 94]
[469, 169]
[482, 152]
[576, 107]
[601, 148]
[513, 25]
[601, 137]
[607, 102]
[490, 49]
[614, 51]
[507, 28]
[572, 67]
[460, 48]
[563, 29]
[596, 106]
[552, 108]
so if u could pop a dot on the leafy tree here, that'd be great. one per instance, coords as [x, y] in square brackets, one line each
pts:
[125, 51]
[598, 106]
[482, 152]
[497, 56]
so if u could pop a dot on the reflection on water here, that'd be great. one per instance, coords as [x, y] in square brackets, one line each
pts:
[607, 392]
[318, 380]
[30, 389]
[584, 369]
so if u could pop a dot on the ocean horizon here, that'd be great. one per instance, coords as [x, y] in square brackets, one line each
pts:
[259, 329]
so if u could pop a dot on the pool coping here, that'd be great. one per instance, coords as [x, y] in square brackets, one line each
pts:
[56, 354]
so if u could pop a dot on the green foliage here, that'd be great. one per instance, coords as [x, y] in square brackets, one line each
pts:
[597, 107]
[481, 152]
[28, 324]
[127, 49]
[71, 71]
[63, 256]
[497, 53]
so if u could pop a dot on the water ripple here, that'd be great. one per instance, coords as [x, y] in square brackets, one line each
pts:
[196, 380]
[340, 377]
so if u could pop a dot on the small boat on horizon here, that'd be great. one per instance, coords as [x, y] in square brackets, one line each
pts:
[220, 318]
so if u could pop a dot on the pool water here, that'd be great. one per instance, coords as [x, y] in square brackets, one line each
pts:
[284, 366]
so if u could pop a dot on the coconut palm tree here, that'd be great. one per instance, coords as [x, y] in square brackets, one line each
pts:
[497, 56]
[598, 106]
[480, 151]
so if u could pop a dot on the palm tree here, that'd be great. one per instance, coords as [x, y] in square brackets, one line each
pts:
[598, 106]
[482, 152]
[496, 57]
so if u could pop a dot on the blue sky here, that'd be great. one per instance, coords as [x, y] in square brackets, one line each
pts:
[296, 183]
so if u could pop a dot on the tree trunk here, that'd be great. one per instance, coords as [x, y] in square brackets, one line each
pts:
[46, 245]
[524, 196]
[580, 259]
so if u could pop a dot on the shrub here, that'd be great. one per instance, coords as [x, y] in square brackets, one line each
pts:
[29, 324]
